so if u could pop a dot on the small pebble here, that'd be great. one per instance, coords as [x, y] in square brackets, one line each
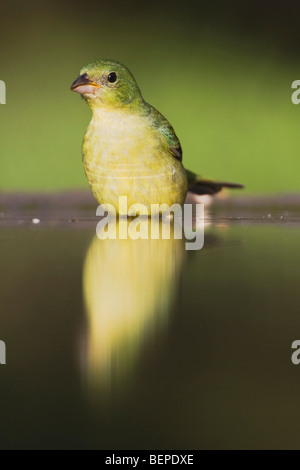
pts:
[35, 221]
[269, 216]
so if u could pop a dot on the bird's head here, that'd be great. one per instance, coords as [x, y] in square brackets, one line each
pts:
[107, 83]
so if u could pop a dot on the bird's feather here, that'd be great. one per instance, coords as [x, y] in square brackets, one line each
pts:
[166, 130]
[200, 186]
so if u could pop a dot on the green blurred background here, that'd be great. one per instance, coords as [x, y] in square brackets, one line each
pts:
[221, 73]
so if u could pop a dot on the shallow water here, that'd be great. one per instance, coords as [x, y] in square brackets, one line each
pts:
[120, 344]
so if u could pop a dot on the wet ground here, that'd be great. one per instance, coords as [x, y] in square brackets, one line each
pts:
[118, 344]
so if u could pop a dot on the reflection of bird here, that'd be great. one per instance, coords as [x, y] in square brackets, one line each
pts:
[129, 148]
[129, 287]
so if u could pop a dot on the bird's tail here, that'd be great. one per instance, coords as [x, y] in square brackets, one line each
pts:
[200, 186]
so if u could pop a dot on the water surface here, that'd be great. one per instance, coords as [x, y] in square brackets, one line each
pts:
[120, 344]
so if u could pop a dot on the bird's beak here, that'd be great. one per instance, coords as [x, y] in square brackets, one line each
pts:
[84, 85]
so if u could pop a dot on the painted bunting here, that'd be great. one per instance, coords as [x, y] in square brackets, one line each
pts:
[130, 149]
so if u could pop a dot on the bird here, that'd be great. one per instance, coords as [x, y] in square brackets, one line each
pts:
[129, 148]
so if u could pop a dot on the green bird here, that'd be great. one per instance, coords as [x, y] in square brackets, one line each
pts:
[130, 149]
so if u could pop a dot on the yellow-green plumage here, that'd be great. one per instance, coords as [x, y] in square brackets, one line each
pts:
[125, 156]
[129, 148]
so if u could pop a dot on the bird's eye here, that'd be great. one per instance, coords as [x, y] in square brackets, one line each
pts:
[112, 77]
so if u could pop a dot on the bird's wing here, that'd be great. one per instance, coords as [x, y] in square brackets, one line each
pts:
[196, 184]
[166, 130]
[200, 186]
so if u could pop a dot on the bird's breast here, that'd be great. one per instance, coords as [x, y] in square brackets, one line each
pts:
[118, 138]
[124, 155]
